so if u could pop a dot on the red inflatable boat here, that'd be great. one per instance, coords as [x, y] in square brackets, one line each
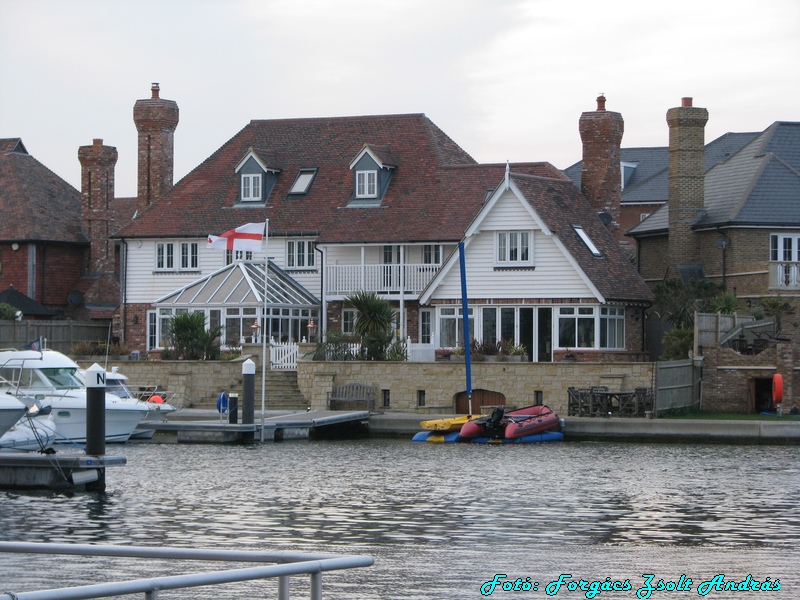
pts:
[530, 419]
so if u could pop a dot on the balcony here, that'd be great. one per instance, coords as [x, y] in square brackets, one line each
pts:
[411, 279]
[784, 275]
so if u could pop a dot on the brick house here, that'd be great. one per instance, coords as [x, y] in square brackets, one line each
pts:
[738, 224]
[45, 252]
[377, 203]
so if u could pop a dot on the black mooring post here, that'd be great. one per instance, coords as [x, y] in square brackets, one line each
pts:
[248, 399]
[95, 411]
[96, 422]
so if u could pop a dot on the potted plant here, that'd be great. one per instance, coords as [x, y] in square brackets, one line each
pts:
[517, 352]
[458, 354]
[443, 353]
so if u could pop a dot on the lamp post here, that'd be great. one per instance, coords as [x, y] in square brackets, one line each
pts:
[256, 331]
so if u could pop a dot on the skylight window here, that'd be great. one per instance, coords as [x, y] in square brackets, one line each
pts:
[302, 184]
[587, 240]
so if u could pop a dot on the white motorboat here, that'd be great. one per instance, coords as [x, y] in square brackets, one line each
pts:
[156, 401]
[35, 433]
[49, 378]
[11, 411]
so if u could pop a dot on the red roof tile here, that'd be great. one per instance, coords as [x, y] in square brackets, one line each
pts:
[36, 204]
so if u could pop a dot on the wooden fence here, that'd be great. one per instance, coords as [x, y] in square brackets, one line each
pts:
[59, 335]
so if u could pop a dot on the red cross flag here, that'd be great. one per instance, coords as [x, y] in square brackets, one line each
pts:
[247, 238]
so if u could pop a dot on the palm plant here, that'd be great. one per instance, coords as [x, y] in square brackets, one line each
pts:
[374, 323]
[190, 339]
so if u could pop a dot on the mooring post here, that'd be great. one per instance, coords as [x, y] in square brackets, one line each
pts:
[95, 410]
[96, 421]
[248, 400]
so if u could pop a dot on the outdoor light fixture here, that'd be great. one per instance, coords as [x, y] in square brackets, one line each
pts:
[256, 329]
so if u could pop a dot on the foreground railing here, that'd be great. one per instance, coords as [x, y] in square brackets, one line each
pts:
[290, 563]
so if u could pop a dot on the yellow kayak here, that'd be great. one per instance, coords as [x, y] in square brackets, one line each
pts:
[447, 424]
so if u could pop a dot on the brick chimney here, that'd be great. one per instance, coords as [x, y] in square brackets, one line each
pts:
[156, 121]
[601, 179]
[686, 181]
[97, 194]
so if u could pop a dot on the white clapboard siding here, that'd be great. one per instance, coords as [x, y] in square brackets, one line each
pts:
[553, 276]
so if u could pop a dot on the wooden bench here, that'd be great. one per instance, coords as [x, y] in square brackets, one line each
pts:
[353, 396]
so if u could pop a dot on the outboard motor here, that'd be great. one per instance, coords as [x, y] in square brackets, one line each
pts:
[494, 426]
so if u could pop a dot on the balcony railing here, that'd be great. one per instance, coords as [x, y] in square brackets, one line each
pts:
[784, 275]
[382, 279]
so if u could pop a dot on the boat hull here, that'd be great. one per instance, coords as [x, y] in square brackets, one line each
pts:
[11, 411]
[447, 424]
[28, 435]
[518, 428]
[494, 425]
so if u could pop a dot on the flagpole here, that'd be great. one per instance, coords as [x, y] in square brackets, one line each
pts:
[264, 330]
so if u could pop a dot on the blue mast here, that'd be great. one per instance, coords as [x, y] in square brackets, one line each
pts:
[465, 320]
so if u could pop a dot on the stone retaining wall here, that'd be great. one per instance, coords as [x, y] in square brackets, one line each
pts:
[442, 381]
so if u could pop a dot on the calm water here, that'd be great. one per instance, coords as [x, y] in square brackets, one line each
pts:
[439, 520]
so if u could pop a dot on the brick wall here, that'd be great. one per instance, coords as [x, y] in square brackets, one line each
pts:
[601, 134]
[156, 120]
[686, 179]
[728, 376]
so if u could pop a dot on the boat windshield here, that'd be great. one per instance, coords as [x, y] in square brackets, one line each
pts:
[118, 388]
[63, 378]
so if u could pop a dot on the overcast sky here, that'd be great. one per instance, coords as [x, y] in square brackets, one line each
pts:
[507, 80]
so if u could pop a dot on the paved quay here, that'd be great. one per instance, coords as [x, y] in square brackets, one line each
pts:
[391, 424]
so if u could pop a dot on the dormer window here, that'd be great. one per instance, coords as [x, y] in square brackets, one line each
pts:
[251, 188]
[366, 184]
[257, 172]
[372, 168]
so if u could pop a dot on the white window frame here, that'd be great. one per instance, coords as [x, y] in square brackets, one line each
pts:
[251, 187]
[300, 254]
[190, 259]
[367, 184]
[349, 316]
[612, 328]
[165, 256]
[513, 248]
[449, 316]
[432, 254]
[577, 314]
[232, 255]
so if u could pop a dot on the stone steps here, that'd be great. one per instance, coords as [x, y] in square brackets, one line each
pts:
[282, 393]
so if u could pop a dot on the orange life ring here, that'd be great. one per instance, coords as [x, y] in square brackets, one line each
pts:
[777, 388]
[156, 400]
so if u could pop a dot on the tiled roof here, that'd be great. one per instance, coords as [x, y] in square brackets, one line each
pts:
[28, 306]
[204, 202]
[559, 204]
[36, 204]
[757, 185]
[649, 182]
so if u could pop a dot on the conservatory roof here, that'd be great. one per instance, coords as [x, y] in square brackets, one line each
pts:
[241, 283]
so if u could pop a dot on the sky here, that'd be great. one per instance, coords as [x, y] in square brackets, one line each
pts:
[505, 79]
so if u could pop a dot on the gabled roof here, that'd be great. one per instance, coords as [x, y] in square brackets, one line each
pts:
[559, 204]
[35, 203]
[202, 203]
[558, 207]
[242, 283]
[759, 185]
[649, 181]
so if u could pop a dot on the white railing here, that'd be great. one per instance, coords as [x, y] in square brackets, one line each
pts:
[287, 563]
[784, 275]
[420, 352]
[283, 355]
[349, 279]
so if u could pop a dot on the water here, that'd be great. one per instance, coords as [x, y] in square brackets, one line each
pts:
[440, 520]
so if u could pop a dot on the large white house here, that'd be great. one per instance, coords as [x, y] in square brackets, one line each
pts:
[376, 203]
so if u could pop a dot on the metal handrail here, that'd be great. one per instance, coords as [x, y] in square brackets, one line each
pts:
[290, 563]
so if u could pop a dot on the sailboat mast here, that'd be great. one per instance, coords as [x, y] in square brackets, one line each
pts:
[465, 321]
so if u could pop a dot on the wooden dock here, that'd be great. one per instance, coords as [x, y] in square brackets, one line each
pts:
[285, 426]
